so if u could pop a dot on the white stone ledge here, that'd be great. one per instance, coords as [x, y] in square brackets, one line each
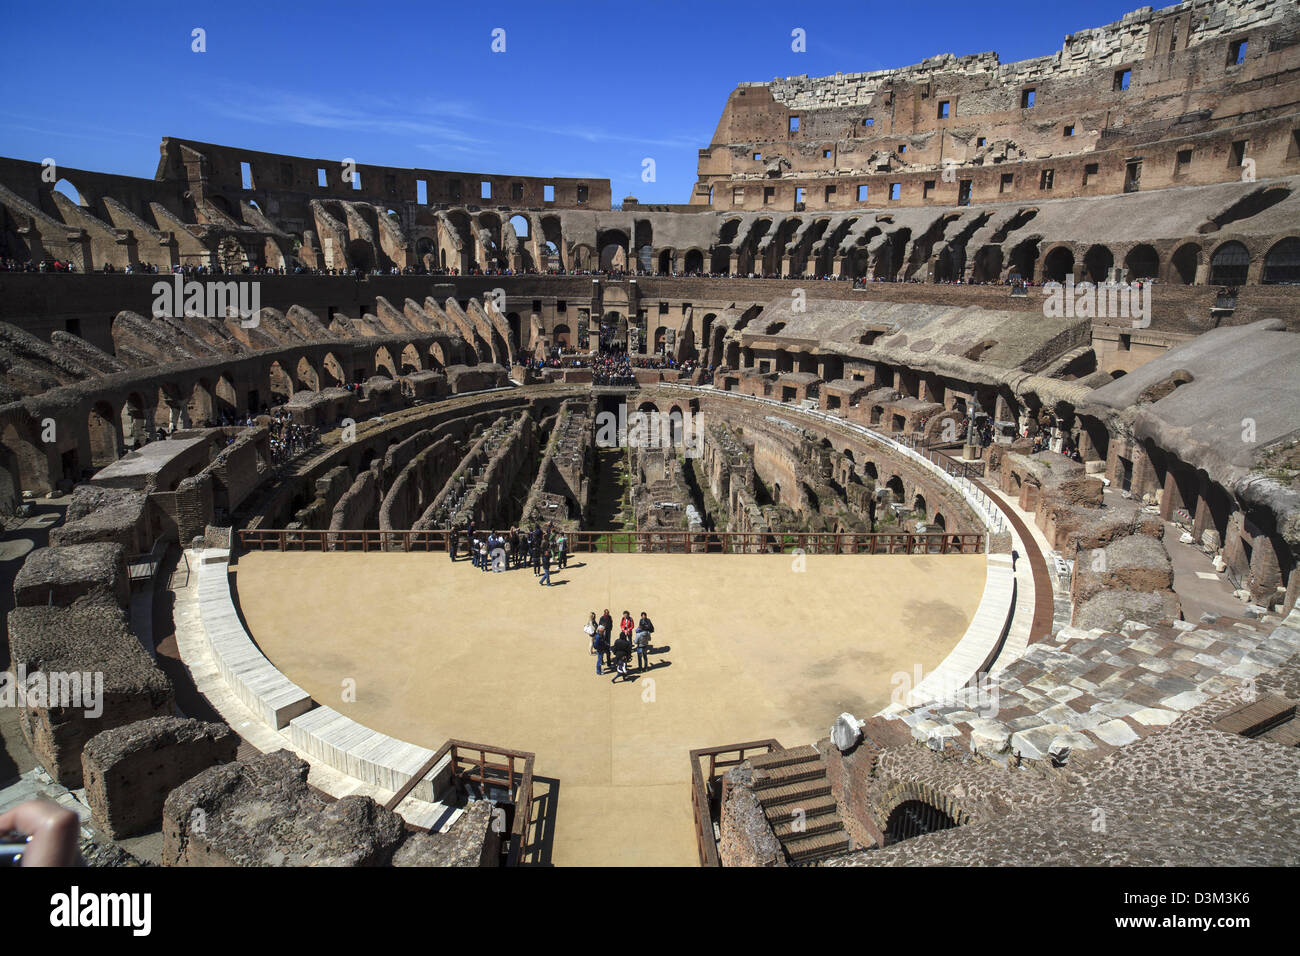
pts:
[320, 733]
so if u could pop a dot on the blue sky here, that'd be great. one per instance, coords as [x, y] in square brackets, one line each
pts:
[582, 89]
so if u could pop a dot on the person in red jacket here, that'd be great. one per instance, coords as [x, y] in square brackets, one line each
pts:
[626, 626]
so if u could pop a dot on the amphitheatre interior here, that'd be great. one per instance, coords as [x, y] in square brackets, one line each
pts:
[947, 432]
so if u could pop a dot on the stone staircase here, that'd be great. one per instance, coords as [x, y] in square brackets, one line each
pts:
[795, 794]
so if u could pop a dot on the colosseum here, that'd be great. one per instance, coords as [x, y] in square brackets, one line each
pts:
[948, 435]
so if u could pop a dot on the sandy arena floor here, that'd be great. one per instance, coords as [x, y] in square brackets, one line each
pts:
[746, 648]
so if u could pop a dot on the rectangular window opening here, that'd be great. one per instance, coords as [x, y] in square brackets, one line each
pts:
[1068, 131]
[548, 193]
[1237, 53]
[421, 191]
[943, 109]
[485, 190]
[895, 191]
[1026, 99]
[246, 175]
[582, 194]
[794, 124]
[1045, 179]
[1122, 79]
[1008, 180]
[862, 193]
[1089, 172]
[322, 178]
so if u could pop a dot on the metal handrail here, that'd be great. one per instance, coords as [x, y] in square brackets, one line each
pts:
[632, 542]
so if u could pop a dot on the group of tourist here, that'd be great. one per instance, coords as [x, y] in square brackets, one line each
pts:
[537, 548]
[615, 653]
[45, 265]
[289, 439]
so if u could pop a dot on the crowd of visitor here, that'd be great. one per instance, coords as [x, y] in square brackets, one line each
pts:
[538, 548]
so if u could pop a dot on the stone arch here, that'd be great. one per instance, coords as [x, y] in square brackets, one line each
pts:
[1282, 263]
[280, 382]
[988, 264]
[1097, 263]
[694, 260]
[383, 362]
[895, 485]
[1142, 262]
[104, 429]
[1185, 262]
[1229, 264]
[913, 818]
[918, 504]
[915, 792]
[665, 260]
[332, 372]
[561, 335]
[305, 377]
[411, 359]
[227, 398]
[202, 404]
[939, 522]
[135, 421]
[1058, 264]
[1024, 258]
[426, 253]
[360, 255]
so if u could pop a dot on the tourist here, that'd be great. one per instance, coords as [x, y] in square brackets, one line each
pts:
[602, 646]
[483, 562]
[642, 640]
[607, 622]
[626, 626]
[546, 568]
[535, 547]
[454, 545]
[561, 551]
[590, 630]
[622, 654]
[473, 552]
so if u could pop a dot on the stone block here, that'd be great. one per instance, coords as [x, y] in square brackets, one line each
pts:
[128, 771]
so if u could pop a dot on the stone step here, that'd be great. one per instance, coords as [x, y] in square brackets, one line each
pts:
[808, 826]
[818, 846]
[1286, 734]
[815, 807]
[793, 792]
[784, 758]
[792, 773]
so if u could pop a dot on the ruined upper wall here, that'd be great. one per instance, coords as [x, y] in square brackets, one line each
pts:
[220, 170]
[1198, 78]
[1173, 28]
